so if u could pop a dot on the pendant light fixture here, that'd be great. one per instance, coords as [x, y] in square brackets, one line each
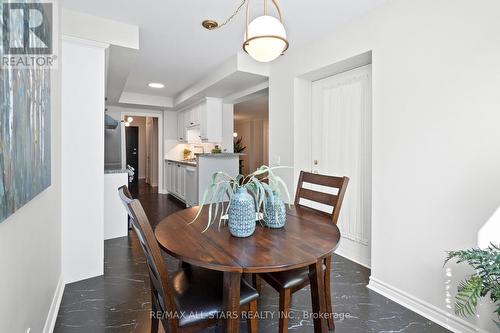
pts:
[265, 36]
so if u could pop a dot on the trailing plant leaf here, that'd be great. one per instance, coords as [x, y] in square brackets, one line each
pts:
[469, 291]
[486, 280]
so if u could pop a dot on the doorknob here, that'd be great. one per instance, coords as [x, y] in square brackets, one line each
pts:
[314, 170]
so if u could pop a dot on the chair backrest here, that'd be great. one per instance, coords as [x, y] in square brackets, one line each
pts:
[332, 200]
[158, 273]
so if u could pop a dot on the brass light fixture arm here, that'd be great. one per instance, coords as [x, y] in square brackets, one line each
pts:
[276, 5]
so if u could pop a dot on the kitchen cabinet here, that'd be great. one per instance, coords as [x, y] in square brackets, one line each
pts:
[211, 120]
[191, 186]
[171, 168]
[181, 127]
[182, 182]
[206, 115]
[192, 116]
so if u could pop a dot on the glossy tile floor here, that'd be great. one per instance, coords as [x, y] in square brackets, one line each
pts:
[119, 301]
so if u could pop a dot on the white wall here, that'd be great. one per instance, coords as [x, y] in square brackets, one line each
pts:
[436, 143]
[254, 134]
[30, 247]
[82, 159]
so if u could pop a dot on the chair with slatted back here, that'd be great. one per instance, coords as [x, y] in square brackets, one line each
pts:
[189, 300]
[288, 282]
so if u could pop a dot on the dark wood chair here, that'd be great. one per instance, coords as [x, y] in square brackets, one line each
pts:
[288, 282]
[191, 299]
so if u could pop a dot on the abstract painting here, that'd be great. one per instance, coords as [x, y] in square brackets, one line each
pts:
[25, 168]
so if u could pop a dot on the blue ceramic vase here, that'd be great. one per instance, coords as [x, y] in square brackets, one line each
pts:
[242, 214]
[275, 213]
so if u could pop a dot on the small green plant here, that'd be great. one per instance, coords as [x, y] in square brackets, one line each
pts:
[216, 150]
[239, 148]
[222, 187]
[238, 145]
[485, 281]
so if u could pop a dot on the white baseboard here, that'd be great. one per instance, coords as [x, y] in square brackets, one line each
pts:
[50, 322]
[427, 310]
[351, 257]
[354, 251]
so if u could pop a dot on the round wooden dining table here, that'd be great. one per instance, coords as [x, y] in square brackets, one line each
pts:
[307, 238]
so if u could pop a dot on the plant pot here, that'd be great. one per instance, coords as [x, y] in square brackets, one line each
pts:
[275, 213]
[241, 214]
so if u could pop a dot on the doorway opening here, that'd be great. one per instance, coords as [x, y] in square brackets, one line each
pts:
[141, 152]
[251, 132]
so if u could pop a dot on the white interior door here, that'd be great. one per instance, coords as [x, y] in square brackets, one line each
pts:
[341, 146]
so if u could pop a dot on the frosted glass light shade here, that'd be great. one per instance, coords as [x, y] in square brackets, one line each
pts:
[266, 39]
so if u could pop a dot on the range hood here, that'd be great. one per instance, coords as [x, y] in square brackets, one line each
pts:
[110, 123]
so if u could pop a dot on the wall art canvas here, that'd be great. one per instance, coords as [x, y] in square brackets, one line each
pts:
[24, 137]
[25, 168]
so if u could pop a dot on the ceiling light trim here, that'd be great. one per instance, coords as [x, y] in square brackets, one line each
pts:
[156, 85]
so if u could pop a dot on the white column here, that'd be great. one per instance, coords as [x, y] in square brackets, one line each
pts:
[83, 92]
[227, 128]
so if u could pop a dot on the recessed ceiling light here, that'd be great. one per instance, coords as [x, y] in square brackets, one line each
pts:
[156, 85]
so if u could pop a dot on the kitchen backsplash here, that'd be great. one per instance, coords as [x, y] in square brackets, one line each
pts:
[177, 152]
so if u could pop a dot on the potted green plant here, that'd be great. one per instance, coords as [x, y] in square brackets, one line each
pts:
[241, 200]
[238, 148]
[485, 280]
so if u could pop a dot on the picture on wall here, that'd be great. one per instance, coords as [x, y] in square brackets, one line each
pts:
[24, 137]
[25, 169]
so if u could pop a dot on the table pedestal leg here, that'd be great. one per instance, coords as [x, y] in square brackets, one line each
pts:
[231, 301]
[318, 296]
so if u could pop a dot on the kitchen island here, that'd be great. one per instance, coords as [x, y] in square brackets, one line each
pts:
[187, 180]
[115, 215]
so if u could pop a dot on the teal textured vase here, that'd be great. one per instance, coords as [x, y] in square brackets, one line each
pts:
[275, 213]
[241, 214]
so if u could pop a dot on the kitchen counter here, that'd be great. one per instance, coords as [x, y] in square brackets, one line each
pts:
[221, 155]
[191, 163]
[112, 171]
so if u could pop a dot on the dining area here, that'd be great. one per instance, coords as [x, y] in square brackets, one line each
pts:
[220, 276]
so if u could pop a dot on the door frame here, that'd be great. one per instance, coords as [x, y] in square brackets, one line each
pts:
[152, 114]
[354, 246]
[136, 178]
[302, 122]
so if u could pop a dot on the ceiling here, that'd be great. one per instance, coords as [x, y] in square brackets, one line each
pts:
[177, 51]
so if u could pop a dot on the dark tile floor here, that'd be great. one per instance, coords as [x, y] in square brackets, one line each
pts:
[119, 301]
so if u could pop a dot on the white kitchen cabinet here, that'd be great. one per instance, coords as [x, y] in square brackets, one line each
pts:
[211, 120]
[207, 115]
[171, 177]
[191, 186]
[192, 116]
[181, 181]
[181, 127]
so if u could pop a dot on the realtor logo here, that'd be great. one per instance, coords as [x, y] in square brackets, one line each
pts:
[27, 34]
